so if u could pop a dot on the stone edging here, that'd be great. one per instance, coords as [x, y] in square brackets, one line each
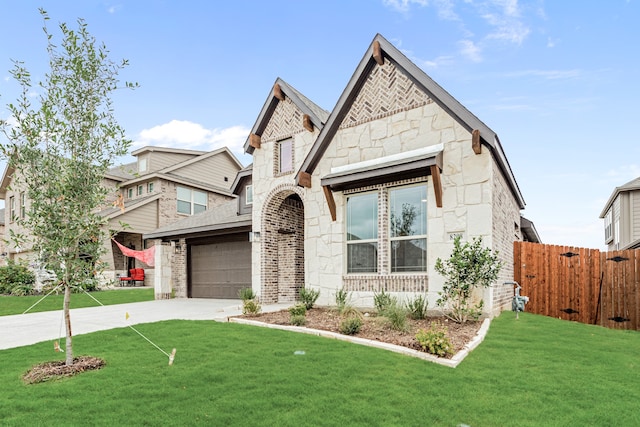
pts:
[452, 363]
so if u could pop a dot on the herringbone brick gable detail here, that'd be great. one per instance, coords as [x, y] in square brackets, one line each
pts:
[386, 91]
[285, 121]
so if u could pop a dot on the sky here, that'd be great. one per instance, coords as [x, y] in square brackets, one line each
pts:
[556, 80]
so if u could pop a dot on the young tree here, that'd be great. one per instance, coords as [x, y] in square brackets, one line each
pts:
[470, 266]
[60, 149]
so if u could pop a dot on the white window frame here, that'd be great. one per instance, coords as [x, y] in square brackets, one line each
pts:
[149, 187]
[23, 205]
[130, 193]
[248, 192]
[12, 209]
[608, 226]
[139, 190]
[192, 202]
[289, 165]
[143, 164]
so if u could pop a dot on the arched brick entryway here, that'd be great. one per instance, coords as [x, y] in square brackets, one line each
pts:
[282, 245]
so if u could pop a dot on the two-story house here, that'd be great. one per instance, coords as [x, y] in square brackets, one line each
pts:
[621, 215]
[162, 186]
[364, 198]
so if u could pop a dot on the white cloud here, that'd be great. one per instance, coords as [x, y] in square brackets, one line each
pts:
[194, 136]
[505, 19]
[404, 5]
[546, 74]
[470, 50]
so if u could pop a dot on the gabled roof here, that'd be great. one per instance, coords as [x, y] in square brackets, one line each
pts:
[223, 150]
[218, 220]
[317, 115]
[441, 97]
[529, 231]
[166, 150]
[129, 205]
[632, 185]
[180, 180]
[6, 180]
[240, 176]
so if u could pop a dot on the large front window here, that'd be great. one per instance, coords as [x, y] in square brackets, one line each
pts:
[362, 233]
[400, 236]
[408, 228]
[190, 201]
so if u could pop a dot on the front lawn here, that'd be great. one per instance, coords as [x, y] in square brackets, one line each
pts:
[17, 305]
[530, 372]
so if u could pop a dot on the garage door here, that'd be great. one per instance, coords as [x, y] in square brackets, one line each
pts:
[220, 270]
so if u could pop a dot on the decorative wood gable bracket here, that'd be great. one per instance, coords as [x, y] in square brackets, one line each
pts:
[331, 203]
[307, 123]
[254, 140]
[304, 179]
[437, 184]
[377, 53]
[475, 141]
[277, 92]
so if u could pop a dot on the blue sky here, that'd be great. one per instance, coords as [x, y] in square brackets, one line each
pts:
[556, 80]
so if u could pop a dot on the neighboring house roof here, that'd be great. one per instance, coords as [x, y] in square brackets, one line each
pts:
[529, 231]
[149, 148]
[223, 218]
[240, 176]
[115, 211]
[6, 180]
[122, 172]
[180, 180]
[317, 115]
[203, 156]
[441, 97]
[632, 185]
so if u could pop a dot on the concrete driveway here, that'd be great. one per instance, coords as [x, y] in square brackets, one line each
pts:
[26, 329]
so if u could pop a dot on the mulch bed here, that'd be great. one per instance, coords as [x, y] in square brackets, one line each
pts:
[53, 370]
[377, 328]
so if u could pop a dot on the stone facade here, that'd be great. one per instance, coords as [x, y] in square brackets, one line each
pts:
[389, 116]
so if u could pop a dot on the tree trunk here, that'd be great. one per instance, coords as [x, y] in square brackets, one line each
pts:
[67, 322]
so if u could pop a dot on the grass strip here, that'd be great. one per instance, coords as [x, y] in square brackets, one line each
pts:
[528, 372]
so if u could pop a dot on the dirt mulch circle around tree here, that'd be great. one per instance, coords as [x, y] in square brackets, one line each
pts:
[377, 328]
[54, 370]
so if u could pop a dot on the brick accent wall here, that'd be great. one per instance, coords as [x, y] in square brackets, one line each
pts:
[282, 245]
[179, 270]
[506, 230]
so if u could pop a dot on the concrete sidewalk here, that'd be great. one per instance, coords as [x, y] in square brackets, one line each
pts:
[26, 329]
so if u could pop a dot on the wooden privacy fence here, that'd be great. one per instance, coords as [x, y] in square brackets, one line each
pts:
[584, 285]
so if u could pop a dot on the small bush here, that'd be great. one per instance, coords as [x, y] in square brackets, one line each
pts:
[298, 310]
[250, 307]
[298, 320]
[246, 294]
[351, 311]
[16, 275]
[342, 299]
[434, 340]
[417, 307]
[350, 325]
[396, 316]
[309, 297]
[382, 301]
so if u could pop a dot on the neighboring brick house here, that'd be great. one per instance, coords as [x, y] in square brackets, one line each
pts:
[164, 185]
[367, 197]
[621, 215]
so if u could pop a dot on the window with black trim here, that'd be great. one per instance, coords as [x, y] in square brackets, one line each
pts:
[408, 228]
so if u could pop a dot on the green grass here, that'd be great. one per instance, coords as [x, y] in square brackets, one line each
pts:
[17, 305]
[530, 372]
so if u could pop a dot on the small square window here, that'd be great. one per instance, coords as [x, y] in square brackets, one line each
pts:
[142, 164]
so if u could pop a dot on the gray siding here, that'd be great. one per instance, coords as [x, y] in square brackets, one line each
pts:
[635, 215]
[243, 208]
[141, 220]
[212, 170]
[159, 160]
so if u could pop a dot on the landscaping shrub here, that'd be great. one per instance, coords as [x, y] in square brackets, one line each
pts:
[382, 301]
[396, 316]
[309, 297]
[470, 266]
[434, 340]
[342, 299]
[298, 313]
[350, 325]
[16, 276]
[417, 307]
[250, 305]
[297, 320]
